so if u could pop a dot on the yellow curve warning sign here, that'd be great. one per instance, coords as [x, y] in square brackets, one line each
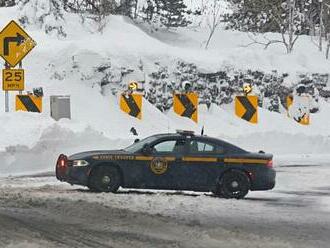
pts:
[298, 108]
[29, 103]
[186, 105]
[246, 108]
[15, 43]
[131, 104]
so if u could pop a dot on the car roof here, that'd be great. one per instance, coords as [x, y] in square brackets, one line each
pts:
[199, 137]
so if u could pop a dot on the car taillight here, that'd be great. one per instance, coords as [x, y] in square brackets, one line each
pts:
[62, 161]
[61, 166]
[270, 164]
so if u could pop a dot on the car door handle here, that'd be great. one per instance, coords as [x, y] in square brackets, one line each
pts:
[178, 159]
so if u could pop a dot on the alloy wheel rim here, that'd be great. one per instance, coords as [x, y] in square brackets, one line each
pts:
[234, 184]
[106, 180]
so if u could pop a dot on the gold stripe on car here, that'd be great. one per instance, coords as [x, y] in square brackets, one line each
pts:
[245, 161]
[199, 159]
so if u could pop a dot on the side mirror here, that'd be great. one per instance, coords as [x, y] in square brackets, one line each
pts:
[146, 149]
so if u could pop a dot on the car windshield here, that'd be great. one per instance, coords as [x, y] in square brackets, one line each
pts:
[139, 145]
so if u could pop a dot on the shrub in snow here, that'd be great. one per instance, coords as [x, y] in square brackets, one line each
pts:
[47, 15]
[7, 3]
[218, 87]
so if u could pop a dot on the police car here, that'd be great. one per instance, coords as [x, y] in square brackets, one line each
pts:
[178, 161]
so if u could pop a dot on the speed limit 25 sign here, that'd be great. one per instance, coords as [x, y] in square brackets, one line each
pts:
[13, 79]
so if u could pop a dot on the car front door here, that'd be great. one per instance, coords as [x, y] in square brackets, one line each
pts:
[165, 164]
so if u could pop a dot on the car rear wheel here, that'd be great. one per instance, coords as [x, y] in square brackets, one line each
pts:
[105, 179]
[234, 184]
[217, 191]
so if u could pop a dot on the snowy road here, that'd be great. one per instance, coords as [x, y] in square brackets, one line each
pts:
[40, 212]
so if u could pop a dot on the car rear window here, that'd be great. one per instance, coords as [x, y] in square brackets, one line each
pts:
[196, 146]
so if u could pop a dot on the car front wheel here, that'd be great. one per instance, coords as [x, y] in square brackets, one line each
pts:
[234, 184]
[105, 179]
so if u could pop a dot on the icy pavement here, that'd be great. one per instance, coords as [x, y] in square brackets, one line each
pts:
[41, 212]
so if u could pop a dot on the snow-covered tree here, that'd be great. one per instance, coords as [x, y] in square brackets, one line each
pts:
[97, 7]
[287, 17]
[172, 13]
[44, 14]
[128, 8]
[149, 10]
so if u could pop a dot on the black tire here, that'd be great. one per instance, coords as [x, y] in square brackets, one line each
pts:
[234, 184]
[217, 190]
[105, 179]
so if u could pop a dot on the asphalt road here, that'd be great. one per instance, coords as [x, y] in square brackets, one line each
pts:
[40, 212]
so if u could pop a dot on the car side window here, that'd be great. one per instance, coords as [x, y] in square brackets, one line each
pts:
[196, 146]
[176, 146]
[165, 146]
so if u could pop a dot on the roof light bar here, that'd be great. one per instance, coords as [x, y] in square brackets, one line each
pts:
[185, 132]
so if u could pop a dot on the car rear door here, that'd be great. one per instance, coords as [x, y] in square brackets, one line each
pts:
[202, 163]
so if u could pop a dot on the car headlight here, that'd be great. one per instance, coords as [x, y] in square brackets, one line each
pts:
[80, 163]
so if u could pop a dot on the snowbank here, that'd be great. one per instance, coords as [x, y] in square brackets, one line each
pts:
[31, 142]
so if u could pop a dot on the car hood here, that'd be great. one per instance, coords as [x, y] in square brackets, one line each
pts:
[84, 155]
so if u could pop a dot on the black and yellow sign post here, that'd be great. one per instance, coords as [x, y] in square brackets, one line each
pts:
[186, 105]
[29, 103]
[15, 44]
[298, 109]
[246, 108]
[131, 104]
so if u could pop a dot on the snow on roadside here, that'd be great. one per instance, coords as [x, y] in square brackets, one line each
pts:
[26, 149]
[56, 139]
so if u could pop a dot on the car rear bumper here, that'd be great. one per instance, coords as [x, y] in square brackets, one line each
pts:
[73, 175]
[264, 180]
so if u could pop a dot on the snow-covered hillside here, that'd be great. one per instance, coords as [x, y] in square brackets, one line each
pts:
[68, 66]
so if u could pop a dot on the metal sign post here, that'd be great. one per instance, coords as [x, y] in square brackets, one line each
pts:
[7, 93]
[6, 101]
[20, 66]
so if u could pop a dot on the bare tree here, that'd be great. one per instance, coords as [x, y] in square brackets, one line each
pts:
[321, 26]
[326, 24]
[291, 28]
[213, 20]
[286, 16]
[315, 21]
[328, 47]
